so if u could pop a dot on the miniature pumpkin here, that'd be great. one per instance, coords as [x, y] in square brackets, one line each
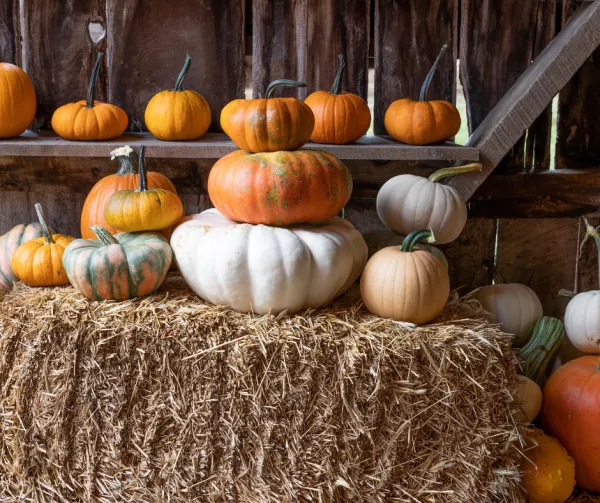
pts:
[404, 283]
[117, 267]
[339, 117]
[422, 122]
[124, 179]
[279, 188]
[408, 202]
[178, 114]
[261, 269]
[377, 240]
[17, 101]
[269, 124]
[89, 120]
[547, 471]
[530, 398]
[38, 262]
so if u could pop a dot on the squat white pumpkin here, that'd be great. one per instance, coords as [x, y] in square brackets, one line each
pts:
[261, 269]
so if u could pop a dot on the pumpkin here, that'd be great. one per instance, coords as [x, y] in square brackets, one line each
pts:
[339, 117]
[89, 120]
[547, 471]
[377, 240]
[269, 124]
[514, 306]
[124, 179]
[262, 269]
[404, 283]
[178, 114]
[422, 122]
[117, 267]
[17, 101]
[530, 398]
[279, 188]
[143, 209]
[38, 262]
[409, 202]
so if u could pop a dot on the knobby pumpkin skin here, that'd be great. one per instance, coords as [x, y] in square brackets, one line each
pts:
[39, 262]
[118, 267]
[279, 188]
[422, 122]
[178, 114]
[124, 179]
[89, 120]
[340, 117]
[269, 124]
[17, 101]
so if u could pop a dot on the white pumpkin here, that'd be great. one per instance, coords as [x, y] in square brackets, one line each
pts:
[262, 269]
[582, 321]
[409, 202]
[530, 398]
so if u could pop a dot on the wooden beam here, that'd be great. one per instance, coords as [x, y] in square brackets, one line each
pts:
[531, 94]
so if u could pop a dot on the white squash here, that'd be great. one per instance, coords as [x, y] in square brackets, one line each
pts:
[409, 202]
[530, 398]
[261, 269]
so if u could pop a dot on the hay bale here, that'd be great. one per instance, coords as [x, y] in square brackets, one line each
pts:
[167, 398]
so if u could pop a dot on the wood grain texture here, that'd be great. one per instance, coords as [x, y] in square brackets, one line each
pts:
[531, 94]
[408, 37]
[587, 263]
[9, 32]
[148, 42]
[300, 39]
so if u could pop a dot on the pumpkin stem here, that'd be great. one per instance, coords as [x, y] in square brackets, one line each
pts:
[93, 80]
[45, 229]
[121, 154]
[422, 235]
[142, 170]
[496, 278]
[183, 73]
[337, 83]
[445, 172]
[103, 235]
[429, 78]
[547, 336]
[282, 83]
[593, 232]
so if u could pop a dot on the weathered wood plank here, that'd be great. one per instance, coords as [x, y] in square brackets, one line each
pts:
[147, 44]
[9, 32]
[408, 37]
[531, 94]
[587, 265]
[300, 39]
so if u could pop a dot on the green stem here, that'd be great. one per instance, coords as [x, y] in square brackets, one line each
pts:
[182, 74]
[282, 83]
[496, 278]
[422, 235]
[429, 78]
[104, 236]
[45, 229]
[337, 83]
[445, 172]
[142, 169]
[93, 80]
[593, 232]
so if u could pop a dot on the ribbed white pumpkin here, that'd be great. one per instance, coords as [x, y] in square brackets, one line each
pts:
[267, 269]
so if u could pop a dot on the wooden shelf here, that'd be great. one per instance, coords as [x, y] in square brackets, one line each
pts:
[216, 145]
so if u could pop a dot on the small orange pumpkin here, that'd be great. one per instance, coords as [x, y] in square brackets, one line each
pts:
[89, 120]
[17, 101]
[423, 122]
[269, 124]
[339, 117]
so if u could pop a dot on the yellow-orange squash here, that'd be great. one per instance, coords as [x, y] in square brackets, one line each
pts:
[269, 124]
[17, 101]
[339, 117]
[178, 114]
[422, 122]
[89, 120]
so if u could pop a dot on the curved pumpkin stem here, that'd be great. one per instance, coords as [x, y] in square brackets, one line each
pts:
[429, 78]
[592, 232]
[183, 73]
[93, 79]
[142, 169]
[103, 235]
[42, 220]
[121, 154]
[282, 83]
[445, 172]
[422, 235]
[337, 83]
[490, 266]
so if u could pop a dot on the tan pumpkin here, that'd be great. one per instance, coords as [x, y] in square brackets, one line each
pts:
[17, 101]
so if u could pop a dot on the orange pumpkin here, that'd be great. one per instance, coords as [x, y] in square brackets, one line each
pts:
[339, 117]
[89, 120]
[423, 122]
[279, 188]
[17, 101]
[124, 179]
[269, 124]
